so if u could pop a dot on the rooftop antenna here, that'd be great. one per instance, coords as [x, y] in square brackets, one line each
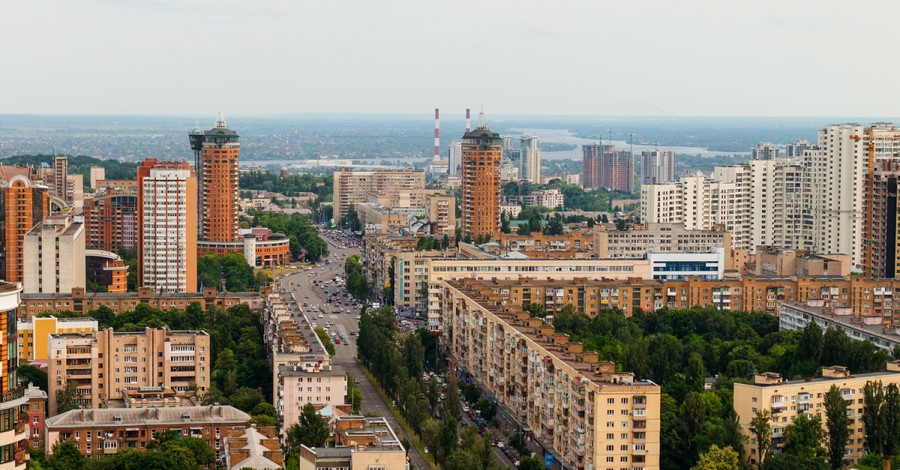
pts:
[482, 121]
[220, 120]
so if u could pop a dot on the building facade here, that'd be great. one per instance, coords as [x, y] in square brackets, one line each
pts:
[24, 205]
[167, 226]
[481, 182]
[657, 166]
[14, 395]
[106, 364]
[583, 410]
[216, 153]
[617, 170]
[764, 151]
[590, 165]
[352, 187]
[110, 219]
[657, 238]
[530, 160]
[786, 400]
[54, 255]
[103, 431]
[34, 334]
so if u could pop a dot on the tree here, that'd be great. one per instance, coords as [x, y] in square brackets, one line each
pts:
[718, 458]
[838, 426]
[504, 222]
[486, 409]
[762, 433]
[312, 431]
[66, 456]
[531, 463]
[462, 460]
[67, 397]
[326, 340]
[452, 405]
[354, 395]
[554, 226]
[33, 375]
[873, 425]
[803, 438]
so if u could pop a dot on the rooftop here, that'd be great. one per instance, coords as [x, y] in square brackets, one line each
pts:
[844, 317]
[147, 416]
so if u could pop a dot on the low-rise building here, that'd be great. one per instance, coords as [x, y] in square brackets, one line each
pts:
[34, 334]
[105, 364]
[37, 413]
[259, 246]
[656, 238]
[777, 261]
[102, 431]
[81, 302]
[360, 442]
[786, 400]
[584, 411]
[795, 316]
[253, 448]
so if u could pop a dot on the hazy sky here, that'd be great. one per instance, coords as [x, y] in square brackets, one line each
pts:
[664, 57]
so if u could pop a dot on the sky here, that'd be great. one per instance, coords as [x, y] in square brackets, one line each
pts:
[511, 57]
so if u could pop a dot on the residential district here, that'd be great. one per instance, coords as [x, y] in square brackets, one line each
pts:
[460, 315]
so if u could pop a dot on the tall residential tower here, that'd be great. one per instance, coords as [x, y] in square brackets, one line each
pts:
[216, 163]
[481, 155]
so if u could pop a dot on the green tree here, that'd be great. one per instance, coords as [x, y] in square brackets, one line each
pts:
[67, 397]
[326, 340]
[311, 431]
[462, 460]
[803, 438]
[354, 395]
[554, 226]
[504, 222]
[838, 426]
[486, 409]
[66, 456]
[33, 375]
[531, 463]
[873, 424]
[761, 429]
[718, 458]
[452, 405]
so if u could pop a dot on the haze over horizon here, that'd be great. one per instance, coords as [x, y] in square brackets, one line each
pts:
[574, 58]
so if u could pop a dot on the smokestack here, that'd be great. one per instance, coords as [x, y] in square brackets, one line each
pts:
[437, 134]
[468, 121]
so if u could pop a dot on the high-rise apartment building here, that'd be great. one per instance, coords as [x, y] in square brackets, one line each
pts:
[352, 187]
[882, 250]
[167, 226]
[60, 180]
[105, 364]
[110, 219]
[657, 166]
[581, 409]
[54, 255]
[617, 170]
[14, 425]
[454, 156]
[764, 151]
[98, 173]
[780, 204]
[796, 149]
[482, 152]
[216, 154]
[23, 204]
[530, 160]
[590, 166]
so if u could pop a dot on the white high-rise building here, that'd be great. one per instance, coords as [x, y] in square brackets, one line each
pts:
[780, 204]
[657, 166]
[530, 160]
[454, 157]
[168, 227]
[837, 171]
[764, 151]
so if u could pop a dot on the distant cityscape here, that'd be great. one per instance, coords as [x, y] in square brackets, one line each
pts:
[267, 297]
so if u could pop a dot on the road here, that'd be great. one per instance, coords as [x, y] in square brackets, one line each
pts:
[301, 285]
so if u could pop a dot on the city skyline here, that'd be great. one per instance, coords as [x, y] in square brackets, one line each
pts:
[413, 57]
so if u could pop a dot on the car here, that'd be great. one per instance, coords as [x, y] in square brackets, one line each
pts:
[321, 316]
[337, 341]
[465, 408]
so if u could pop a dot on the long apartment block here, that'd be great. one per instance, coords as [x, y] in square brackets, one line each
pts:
[785, 400]
[105, 365]
[587, 413]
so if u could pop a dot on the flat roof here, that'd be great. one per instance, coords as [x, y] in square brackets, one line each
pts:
[844, 321]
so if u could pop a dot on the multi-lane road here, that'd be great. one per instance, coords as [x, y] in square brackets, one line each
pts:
[302, 285]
